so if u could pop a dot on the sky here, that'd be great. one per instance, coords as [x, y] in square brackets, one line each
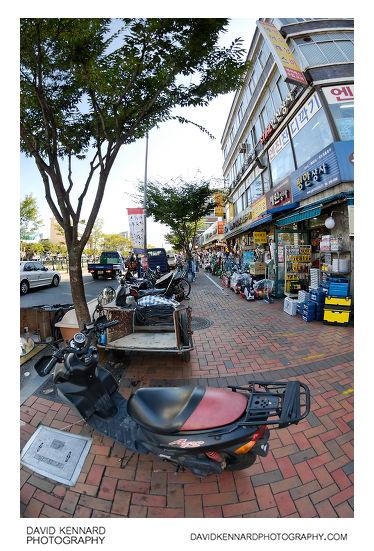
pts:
[174, 150]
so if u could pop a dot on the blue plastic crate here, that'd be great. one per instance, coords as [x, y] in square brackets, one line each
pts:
[317, 296]
[331, 279]
[338, 289]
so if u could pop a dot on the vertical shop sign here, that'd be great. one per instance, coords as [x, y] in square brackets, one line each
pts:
[303, 116]
[286, 62]
[220, 227]
[136, 225]
[218, 198]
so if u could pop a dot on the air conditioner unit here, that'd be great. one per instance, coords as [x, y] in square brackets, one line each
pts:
[243, 147]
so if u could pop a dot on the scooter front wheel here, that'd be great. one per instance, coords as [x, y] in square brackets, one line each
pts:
[237, 462]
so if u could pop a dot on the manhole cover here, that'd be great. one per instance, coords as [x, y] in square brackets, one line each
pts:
[200, 323]
[56, 454]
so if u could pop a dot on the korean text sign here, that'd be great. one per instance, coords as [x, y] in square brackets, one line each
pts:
[136, 225]
[283, 56]
[319, 173]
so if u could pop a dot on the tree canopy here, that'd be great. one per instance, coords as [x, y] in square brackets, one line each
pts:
[86, 90]
[180, 205]
[29, 217]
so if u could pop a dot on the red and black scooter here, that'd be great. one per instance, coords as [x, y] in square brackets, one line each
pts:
[204, 429]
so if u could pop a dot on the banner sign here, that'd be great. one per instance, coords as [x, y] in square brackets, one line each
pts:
[220, 227]
[259, 237]
[218, 198]
[288, 68]
[259, 207]
[136, 225]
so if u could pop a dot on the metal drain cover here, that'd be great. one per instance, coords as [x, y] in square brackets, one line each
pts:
[56, 454]
[200, 323]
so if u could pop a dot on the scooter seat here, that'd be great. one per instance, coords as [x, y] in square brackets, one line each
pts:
[174, 409]
[147, 292]
[164, 409]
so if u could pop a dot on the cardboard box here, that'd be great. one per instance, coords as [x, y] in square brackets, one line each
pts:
[257, 268]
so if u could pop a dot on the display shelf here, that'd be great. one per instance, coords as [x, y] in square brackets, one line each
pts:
[338, 254]
[297, 265]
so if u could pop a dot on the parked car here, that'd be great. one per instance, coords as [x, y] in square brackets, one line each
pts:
[34, 274]
[172, 260]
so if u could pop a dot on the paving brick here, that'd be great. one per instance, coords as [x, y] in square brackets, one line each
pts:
[148, 500]
[344, 510]
[69, 502]
[95, 474]
[194, 507]
[305, 508]
[107, 488]
[265, 497]
[325, 509]
[304, 472]
[162, 512]
[26, 493]
[266, 478]
[284, 503]
[305, 489]
[239, 509]
[95, 503]
[48, 498]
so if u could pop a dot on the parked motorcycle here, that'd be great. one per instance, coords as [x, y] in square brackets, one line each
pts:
[168, 286]
[201, 428]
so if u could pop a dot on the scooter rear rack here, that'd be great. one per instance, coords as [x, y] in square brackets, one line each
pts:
[273, 403]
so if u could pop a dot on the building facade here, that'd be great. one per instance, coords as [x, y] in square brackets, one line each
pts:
[288, 146]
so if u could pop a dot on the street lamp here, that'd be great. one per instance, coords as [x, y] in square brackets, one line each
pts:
[145, 193]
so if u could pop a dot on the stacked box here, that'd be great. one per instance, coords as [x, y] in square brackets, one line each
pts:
[302, 296]
[290, 306]
[317, 296]
[314, 278]
[309, 311]
[337, 310]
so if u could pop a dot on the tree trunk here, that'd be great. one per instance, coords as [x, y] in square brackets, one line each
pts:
[76, 285]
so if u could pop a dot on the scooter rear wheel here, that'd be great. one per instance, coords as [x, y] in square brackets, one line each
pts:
[237, 462]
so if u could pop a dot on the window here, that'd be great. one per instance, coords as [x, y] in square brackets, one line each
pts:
[257, 131]
[313, 137]
[319, 49]
[341, 104]
[282, 165]
[266, 180]
[256, 189]
[282, 87]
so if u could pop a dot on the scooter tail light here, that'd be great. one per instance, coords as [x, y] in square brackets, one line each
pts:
[257, 435]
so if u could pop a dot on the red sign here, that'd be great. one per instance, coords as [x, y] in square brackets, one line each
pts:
[220, 226]
[280, 195]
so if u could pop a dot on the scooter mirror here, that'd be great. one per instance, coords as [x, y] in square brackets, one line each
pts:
[106, 296]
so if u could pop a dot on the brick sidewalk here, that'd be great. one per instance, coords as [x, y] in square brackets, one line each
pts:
[309, 469]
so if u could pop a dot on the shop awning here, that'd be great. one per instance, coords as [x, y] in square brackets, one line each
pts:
[263, 220]
[305, 214]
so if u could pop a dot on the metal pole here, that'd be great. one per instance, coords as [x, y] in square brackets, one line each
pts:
[145, 193]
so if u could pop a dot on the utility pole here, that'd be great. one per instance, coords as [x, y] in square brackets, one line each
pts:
[145, 194]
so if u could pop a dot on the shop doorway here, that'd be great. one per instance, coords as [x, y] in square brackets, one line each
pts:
[286, 238]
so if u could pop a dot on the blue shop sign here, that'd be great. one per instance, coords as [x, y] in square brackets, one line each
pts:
[327, 168]
[345, 154]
